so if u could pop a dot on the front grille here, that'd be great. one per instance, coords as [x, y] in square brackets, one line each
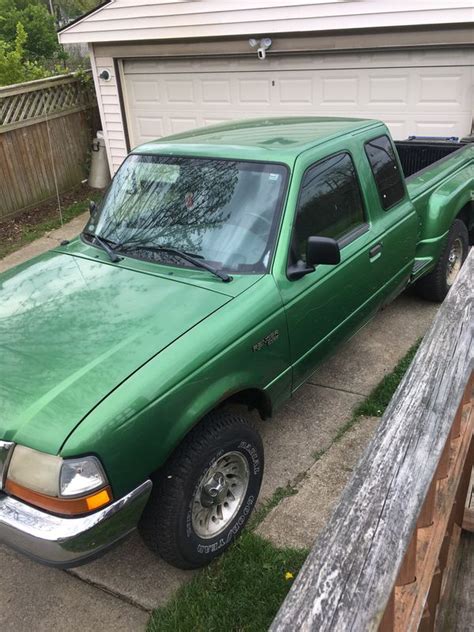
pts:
[6, 449]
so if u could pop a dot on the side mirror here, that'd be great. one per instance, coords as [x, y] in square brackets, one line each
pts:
[318, 250]
[322, 250]
[92, 207]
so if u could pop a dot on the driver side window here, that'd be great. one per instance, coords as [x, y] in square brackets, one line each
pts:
[329, 205]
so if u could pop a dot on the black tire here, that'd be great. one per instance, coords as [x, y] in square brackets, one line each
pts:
[168, 525]
[434, 286]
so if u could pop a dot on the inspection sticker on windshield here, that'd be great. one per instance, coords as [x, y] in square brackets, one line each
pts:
[273, 176]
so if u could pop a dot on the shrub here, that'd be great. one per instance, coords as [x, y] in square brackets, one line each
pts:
[14, 65]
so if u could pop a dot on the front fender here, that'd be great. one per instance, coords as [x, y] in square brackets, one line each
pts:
[134, 430]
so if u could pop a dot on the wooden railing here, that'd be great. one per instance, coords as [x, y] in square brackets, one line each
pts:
[46, 129]
[384, 561]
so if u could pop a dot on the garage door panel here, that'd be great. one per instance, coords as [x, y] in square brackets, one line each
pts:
[216, 91]
[182, 124]
[440, 126]
[386, 91]
[296, 90]
[254, 90]
[150, 127]
[145, 92]
[164, 97]
[442, 88]
[179, 91]
[338, 90]
[439, 90]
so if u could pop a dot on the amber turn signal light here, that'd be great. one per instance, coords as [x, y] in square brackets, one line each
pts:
[63, 506]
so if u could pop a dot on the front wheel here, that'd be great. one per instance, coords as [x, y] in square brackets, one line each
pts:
[205, 493]
[435, 285]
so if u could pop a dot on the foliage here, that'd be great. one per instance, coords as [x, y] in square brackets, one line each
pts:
[41, 42]
[29, 47]
[14, 67]
[241, 591]
[73, 8]
[85, 78]
[66, 9]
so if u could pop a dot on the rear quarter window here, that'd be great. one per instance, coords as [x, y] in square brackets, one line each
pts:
[386, 171]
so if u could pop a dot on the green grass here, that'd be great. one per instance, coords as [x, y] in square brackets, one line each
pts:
[317, 454]
[240, 591]
[379, 398]
[262, 512]
[30, 232]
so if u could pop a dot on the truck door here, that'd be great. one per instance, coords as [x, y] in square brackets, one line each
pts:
[394, 214]
[329, 304]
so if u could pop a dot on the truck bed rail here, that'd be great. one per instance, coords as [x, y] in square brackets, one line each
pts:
[417, 154]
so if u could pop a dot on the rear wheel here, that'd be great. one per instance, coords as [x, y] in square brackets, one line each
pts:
[435, 285]
[206, 492]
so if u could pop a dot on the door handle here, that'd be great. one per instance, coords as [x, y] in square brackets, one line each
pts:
[375, 250]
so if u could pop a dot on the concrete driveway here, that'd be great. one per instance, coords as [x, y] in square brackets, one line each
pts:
[118, 591]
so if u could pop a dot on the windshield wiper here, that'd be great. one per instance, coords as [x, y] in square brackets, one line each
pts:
[178, 253]
[104, 245]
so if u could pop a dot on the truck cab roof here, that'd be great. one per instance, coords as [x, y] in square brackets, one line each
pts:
[268, 139]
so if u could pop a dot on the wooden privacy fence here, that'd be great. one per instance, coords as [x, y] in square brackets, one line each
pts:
[45, 134]
[385, 560]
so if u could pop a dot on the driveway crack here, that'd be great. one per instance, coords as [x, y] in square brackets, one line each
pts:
[333, 388]
[110, 591]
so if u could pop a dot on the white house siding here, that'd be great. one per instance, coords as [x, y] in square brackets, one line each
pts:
[110, 111]
[127, 20]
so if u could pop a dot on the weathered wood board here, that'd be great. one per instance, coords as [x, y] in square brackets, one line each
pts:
[348, 577]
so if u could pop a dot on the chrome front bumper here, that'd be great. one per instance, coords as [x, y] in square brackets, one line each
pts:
[67, 542]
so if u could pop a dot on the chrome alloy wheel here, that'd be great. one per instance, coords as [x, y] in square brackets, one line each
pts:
[454, 261]
[220, 494]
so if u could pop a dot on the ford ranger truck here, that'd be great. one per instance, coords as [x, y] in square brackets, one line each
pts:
[221, 267]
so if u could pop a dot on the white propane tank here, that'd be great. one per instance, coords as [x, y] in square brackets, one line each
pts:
[99, 176]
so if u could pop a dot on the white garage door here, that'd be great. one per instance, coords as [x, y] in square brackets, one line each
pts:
[425, 93]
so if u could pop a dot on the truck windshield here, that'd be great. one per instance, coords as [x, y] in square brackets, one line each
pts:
[223, 212]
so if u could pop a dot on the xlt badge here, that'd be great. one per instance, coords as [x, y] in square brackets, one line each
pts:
[267, 341]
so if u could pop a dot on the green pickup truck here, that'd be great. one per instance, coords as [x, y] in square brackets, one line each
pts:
[220, 268]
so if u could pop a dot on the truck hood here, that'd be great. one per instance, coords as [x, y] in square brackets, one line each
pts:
[72, 329]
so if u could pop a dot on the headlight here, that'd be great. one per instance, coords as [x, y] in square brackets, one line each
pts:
[35, 470]
[66, 486]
